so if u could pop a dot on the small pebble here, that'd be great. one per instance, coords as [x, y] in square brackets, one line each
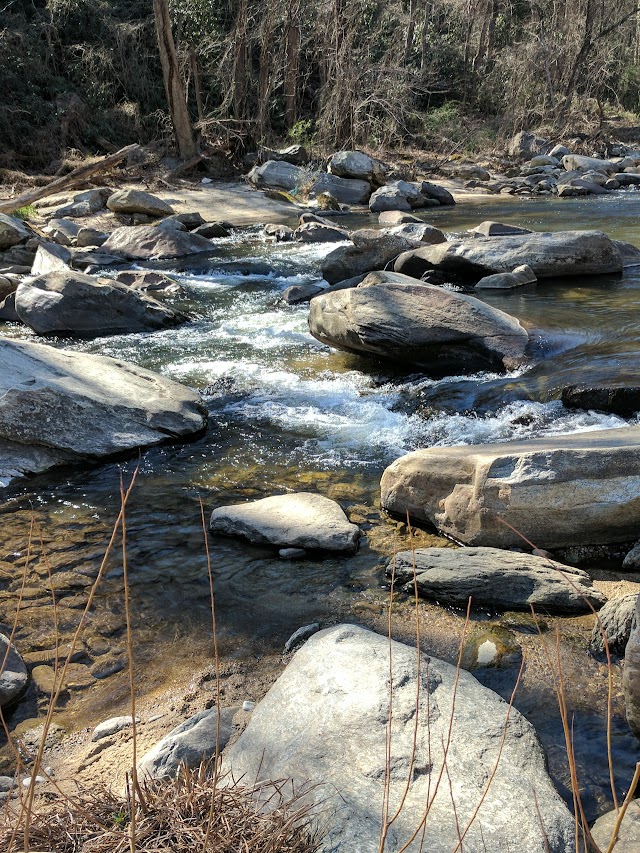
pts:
[26, 782]
[248, 706]
[291, 553]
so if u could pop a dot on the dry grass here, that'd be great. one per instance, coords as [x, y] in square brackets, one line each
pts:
[182, 815]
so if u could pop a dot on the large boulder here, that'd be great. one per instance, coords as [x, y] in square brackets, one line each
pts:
[557, 491]
[147, 242]
[344, 190]
[137, 201]
[196, 740]
[325, 720]
[616, 621]
[50, 257]
[578, 163]
[631, 675]
[277, 174]
[12, 231]
[398, 195]
[395, 317]
[355, 164]
[60, 407]
[13, 673]
[560, 253]
[297, 520]
[436, 192]
[67, 302]
[371, 250]
[506, 580]
[526, 145]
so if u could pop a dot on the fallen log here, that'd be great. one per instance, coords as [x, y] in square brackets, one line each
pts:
[74, 177]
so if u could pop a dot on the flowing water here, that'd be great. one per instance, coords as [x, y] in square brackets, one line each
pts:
[287, 413]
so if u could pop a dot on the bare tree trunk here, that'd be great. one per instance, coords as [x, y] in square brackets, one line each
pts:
[411, 26]
[423, 38]
[197, 87]
[240, 62]
[173, 85]
[291, 64]
[264, 78]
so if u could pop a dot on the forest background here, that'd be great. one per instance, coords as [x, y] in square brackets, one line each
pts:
[442, 75]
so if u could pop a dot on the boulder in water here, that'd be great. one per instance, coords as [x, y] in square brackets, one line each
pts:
[579, 489]
[299, 520]
[67, 302]
[560, 253]
[394, 317]
[60, 407]
[147, 242]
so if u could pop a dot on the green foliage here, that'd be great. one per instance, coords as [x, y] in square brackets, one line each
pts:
[27, 212]
[303, 132]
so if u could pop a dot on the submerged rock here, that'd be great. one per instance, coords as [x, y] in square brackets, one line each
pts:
[300, 520]
[491, 577]
[506, 280]
[398, 318]
[560, 253]
[557, 490]
[324, 722]
[60, 407]
[67, 302]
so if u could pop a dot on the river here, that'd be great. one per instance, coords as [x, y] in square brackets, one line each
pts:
[287, 413]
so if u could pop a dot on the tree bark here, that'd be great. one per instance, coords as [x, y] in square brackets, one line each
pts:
[75, 177]
[291, 66]
[173, 85]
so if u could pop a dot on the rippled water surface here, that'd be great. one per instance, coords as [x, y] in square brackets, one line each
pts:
[288, 413]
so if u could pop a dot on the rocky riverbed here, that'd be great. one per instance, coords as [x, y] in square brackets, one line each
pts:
[288, 413]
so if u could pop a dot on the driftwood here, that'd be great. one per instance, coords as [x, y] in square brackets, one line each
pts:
[185, 167]
[78, 175]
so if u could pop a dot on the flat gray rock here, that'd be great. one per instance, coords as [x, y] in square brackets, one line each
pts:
[299, 520]
[617, 619]
[58, 406]
[579, 489]
[395, 317]
[112, 726]
[560, 253]
[188, 744]
[137, 201]
[324, 722]
[147, 242]
[14, 676]
[67, 302]
[505, 580]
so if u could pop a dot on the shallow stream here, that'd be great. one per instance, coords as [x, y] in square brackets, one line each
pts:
[286, 413]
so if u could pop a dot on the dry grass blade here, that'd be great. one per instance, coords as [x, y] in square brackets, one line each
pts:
[178, 818]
